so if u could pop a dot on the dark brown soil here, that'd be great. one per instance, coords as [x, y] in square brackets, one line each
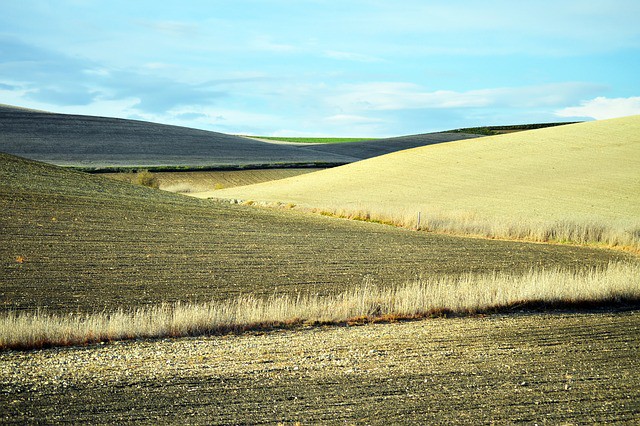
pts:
[71, 241]
[533, 369]
[103, 143]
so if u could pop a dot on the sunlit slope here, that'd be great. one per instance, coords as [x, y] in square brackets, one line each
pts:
[579, 171]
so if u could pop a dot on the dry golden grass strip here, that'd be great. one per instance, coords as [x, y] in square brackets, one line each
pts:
[618, 283]
[620, 234]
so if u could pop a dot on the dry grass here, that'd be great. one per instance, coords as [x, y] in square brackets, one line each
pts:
[367, 303]
[620, 234]
[576, 183]
[146, 178]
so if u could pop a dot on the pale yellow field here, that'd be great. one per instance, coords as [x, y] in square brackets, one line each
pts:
[586, 174]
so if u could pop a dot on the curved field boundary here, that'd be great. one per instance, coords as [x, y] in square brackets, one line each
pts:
[202, 181]
[378, 147]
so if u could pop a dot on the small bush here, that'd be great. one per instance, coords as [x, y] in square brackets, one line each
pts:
[146, 178]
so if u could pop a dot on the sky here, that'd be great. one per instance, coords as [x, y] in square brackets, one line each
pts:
[350, 68]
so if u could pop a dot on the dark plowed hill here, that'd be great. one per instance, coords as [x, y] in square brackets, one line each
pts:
[69, 240]
[375, 148]
[99, 142]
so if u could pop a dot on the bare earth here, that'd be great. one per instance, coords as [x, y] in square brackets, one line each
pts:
[543, 368]
[102, 142]
[72, 242]
[75, 242]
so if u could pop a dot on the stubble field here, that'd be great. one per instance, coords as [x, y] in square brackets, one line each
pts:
[577, 182]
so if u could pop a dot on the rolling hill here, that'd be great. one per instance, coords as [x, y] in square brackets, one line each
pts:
[375, 148]
[73, 241]
[95, 143]
[582, 173]
[99, 142]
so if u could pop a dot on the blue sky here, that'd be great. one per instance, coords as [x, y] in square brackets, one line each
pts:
[324, 68]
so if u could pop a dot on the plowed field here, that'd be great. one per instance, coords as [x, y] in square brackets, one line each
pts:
[76, 242]
[552, 368]
[105, 143]
[72, 241]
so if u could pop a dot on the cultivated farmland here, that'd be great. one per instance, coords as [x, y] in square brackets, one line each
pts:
[101, 143]
[554, 368]
[97, 143]
[375, 148]
[308, 140]
[578, 182]
[73, 241]
[515, 332]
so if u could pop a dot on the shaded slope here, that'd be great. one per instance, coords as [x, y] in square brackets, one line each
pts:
[97, 142]
[587, 171]
[375, 148]
[73, 241]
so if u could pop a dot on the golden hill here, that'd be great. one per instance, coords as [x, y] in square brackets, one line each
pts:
[582, 176]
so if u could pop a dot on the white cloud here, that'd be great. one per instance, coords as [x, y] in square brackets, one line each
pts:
[99, 72]
[122, 108]
[350, 56]
[265, 43]
[172, 28]
[497, 26]
[602, 108]
[295, 133]
[224, 120]
[350, 125]
[398, 96]
[346, 119]
[156, 66]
